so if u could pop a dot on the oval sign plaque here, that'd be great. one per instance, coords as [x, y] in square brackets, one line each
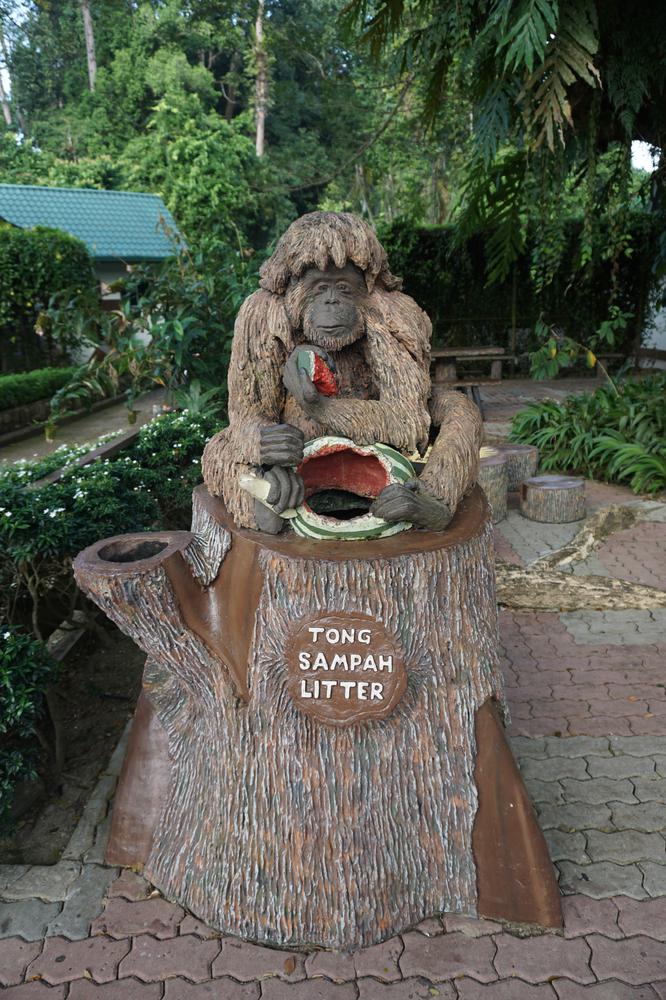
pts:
[344, 668]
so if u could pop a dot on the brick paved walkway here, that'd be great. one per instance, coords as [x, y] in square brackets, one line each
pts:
[587, 695]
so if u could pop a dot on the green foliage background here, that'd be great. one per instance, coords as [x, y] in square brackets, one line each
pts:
[34, 264]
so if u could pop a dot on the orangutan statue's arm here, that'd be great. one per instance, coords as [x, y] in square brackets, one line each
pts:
[453, 464]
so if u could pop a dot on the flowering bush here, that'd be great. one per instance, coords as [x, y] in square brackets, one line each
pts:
[146, 487]
[26, 670]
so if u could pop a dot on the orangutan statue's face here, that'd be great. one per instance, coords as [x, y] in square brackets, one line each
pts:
[334, 306]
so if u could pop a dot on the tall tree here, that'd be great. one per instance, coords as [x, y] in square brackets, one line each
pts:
[90, 42]
[261, 84]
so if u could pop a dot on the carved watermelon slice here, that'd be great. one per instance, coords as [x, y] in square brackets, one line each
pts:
[320, 374]
[345, 476]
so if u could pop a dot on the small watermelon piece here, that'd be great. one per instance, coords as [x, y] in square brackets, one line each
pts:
[320, 374]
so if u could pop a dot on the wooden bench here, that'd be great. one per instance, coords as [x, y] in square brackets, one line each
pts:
[470, 387]
[445, 358]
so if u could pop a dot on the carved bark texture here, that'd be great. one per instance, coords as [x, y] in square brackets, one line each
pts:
[493, 478]
[522, 461]
[276, 827]
[553, 499]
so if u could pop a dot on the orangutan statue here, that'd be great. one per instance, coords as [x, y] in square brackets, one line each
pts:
[328, 288]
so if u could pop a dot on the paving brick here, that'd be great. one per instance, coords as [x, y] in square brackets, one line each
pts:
[246, 962]
[190, 925]
[576, 816]
[123, 918]
[622, 766]
[408, 989]
[649, 817]
[34, 991]
[650, 790]
[314, 989]
[637, 960]
[566, 846]
[471, 926]
[27, 918]
[63, 960]
[555, 768]
[577, 746]
[506, 989]
[430, 927]
[380, 961]
[151, 960]
[335, 965]
[10, 874]
[448, 956]
[15, 956]
[83, 904]
[538, 958]
[655, 878]
[626, 846]
[214, 989]
[639, 746]
[611, 989]
[599, 791]
[647, 916]
[525, 746]
[130, 886]
[126, 989]
[584, 915]
[48, 882]
[602, 879]
[603, 725]
[545, 791]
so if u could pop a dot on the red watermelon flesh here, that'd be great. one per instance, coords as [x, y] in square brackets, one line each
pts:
[320, 374]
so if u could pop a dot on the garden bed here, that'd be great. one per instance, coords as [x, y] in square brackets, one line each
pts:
[97, 692]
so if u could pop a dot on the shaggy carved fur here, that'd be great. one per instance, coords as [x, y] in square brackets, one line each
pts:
[393, 364]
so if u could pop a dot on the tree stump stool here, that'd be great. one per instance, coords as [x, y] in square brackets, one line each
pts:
[522, 462]
[317, 757]
[553, 499]
[494, 479]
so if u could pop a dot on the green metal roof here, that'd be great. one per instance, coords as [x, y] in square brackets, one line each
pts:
[113, 224]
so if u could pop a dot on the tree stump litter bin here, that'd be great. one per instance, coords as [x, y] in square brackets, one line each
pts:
[553, 499]
[494, 479]
[282, 796]
[317, 757]
[522, 461]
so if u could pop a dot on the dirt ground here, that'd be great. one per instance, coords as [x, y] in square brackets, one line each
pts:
[98, 689]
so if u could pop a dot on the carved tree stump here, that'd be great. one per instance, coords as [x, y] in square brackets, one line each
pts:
[553, 499]
[494, 479]
[522, 462]
[316, 758]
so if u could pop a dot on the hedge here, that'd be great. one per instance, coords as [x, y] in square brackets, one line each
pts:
[449, 283]
[35, 264]
[27, 387]
[26, 670]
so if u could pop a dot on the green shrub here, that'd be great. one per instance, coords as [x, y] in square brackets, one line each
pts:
[146, 487]
[36, 264]
[449, 282]
[615, 435]
[26, 670]
[27, 387]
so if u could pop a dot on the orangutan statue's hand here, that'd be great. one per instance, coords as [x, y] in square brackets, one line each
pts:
[281, 444]
[287, 488]
[407, 502]
[300, 385]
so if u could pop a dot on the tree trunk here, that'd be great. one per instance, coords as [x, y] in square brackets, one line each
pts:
[493, 478]
[261, 83]
[90, 43]
[6, 110]
[304, 767]
[230, 93]
[553, 499]
[522, 461]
